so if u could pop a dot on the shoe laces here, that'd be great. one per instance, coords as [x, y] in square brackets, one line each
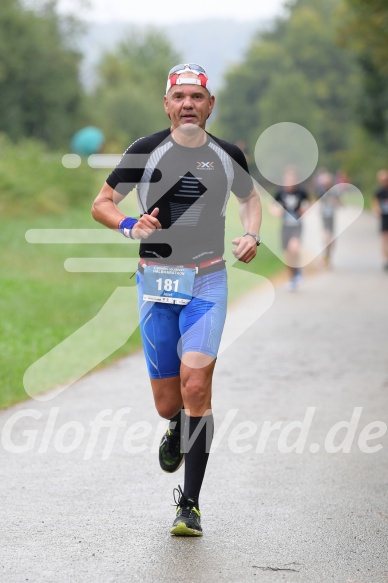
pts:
[179, 498]
[186, 505]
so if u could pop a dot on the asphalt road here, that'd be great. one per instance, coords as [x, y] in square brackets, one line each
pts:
[290, 494]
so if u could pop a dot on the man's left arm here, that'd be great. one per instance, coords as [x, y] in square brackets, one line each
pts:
[305, 203]
[250, 216]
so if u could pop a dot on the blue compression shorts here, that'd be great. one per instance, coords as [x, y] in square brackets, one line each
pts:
[170, 330]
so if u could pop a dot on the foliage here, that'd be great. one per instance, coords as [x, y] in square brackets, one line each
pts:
[33, 180]
[40, 92]
[128, 101]
[295, 72]
[362, 162]
[364, 32]
[365, 29]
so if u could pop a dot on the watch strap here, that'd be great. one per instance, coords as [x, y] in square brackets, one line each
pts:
[255, 236]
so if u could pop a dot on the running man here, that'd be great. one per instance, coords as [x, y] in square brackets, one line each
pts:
[183, 176]
[380, 208]
[292, 203]
[330, 197]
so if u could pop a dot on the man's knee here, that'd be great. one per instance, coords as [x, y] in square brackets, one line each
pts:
[196, 381]
[293, 245]
[167, 410]
[167, 396]
[196, 392]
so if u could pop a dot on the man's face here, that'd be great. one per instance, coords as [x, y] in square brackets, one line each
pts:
[382, 178]
[188, 104]
[290, 181]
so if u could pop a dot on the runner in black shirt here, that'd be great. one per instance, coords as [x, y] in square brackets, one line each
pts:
[183, 176]
[380, 207]
[293, 200]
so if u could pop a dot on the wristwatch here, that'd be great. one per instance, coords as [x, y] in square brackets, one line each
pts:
[256, 237]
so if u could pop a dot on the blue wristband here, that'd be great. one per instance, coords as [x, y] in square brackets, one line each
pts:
[126, 225]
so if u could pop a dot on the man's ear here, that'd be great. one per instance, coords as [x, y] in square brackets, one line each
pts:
[165, 104]
[212, 101]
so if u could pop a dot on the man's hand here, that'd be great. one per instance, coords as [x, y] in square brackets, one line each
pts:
[246, 248]
[146, 225]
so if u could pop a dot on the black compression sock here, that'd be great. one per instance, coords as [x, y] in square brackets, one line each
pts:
[198, 436]
[178, 421]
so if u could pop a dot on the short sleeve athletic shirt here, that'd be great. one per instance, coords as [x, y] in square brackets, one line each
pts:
[191, 188]
[291, 202]
[330, 201]
[382, 196]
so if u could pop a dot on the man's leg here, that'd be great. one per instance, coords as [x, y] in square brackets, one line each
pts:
[384, 237]
[159, 326]
[168, 403]
[196, 384]
[328, 239]
[293, 258]
[201, 324]
[167, 396]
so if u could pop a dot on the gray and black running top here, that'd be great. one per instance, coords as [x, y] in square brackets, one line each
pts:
[191, 188]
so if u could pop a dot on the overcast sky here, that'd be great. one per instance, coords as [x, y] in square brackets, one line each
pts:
[158, 12]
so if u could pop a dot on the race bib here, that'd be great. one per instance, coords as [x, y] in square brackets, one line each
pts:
[169, 284]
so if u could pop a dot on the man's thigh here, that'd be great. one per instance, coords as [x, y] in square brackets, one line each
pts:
[159, 329]
[169, 330]
[202, 320]
[290, 232]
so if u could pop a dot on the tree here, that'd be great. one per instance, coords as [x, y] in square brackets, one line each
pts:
[364, 32]
[294, 72]
[40, 92]
[128, 100]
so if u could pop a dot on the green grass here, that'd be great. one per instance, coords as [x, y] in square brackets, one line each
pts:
[43, 304]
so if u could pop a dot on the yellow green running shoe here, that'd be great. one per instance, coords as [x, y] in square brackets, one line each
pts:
[188, 517]
[170, 456]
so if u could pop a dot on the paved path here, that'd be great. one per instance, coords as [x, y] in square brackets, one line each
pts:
[101, 512]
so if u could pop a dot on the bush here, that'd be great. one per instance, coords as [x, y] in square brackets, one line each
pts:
[34, 181]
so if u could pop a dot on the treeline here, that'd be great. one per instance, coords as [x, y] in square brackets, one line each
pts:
[40, 93]
[323, 65]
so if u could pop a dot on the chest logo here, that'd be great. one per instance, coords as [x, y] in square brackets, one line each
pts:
[205, 165]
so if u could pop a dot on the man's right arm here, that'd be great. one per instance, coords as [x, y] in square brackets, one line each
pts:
[105, 211]
[104, 208]
[375, 203]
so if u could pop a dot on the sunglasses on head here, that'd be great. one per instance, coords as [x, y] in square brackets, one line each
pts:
[188, 67]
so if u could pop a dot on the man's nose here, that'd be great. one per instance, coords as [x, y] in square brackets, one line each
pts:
[187, 102]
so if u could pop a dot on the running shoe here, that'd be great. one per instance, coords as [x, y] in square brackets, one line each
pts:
[170, 456]
[292, 285]
[295, 282]
[298, 277]
[188, 517]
